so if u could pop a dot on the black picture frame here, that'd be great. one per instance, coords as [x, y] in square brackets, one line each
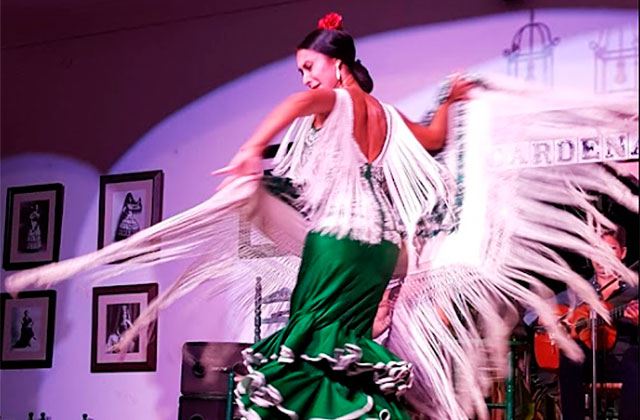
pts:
[27, 329]
[114, 309]
[128, 203]
[33, 225]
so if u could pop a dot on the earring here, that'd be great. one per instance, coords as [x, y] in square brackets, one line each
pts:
[338, 74]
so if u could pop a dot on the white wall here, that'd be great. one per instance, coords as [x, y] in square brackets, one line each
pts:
[406, 65]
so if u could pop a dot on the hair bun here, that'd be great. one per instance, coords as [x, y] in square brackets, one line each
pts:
[332, 21]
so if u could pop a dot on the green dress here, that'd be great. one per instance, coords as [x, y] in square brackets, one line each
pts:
[324, 363]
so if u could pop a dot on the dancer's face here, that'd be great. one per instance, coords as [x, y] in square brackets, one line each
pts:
[317, 70]
[619, 251]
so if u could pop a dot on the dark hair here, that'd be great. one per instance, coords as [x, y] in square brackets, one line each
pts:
[619, 234]
[339, 44]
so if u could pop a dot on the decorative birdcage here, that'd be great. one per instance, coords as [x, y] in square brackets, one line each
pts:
[615, 54]
[531, 53]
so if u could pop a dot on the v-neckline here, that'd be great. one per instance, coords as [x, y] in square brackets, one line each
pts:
[353, 130]
[353, 139]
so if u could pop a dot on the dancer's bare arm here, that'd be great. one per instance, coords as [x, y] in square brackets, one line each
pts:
[247, 160]
[433, 136]
[318, 101]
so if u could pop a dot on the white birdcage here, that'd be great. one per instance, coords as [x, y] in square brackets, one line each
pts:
[531, 53]
[615, 54]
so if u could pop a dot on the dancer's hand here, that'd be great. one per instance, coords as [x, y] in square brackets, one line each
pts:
[248, 161]
[460, 88]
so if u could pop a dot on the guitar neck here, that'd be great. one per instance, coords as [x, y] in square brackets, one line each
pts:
[616, 313]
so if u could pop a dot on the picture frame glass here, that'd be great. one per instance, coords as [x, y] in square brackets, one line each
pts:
[114, 311]
[129, 209]
[129, 203]
[25, 332]
[27, 329]
[33, 227]
[116, 314]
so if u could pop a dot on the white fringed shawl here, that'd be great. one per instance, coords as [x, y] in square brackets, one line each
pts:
[509, 223]
[335, 196]
[474, 276]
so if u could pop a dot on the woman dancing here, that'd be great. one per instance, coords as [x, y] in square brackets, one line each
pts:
[324, 363]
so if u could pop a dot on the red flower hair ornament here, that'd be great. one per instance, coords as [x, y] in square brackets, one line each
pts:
[331, 21]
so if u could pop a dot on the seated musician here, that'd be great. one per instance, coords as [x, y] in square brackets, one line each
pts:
[617, 360]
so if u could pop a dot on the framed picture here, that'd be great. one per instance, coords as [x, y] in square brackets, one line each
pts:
[28, 323]
[114, 310]
[128, 204]
[33, 224]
